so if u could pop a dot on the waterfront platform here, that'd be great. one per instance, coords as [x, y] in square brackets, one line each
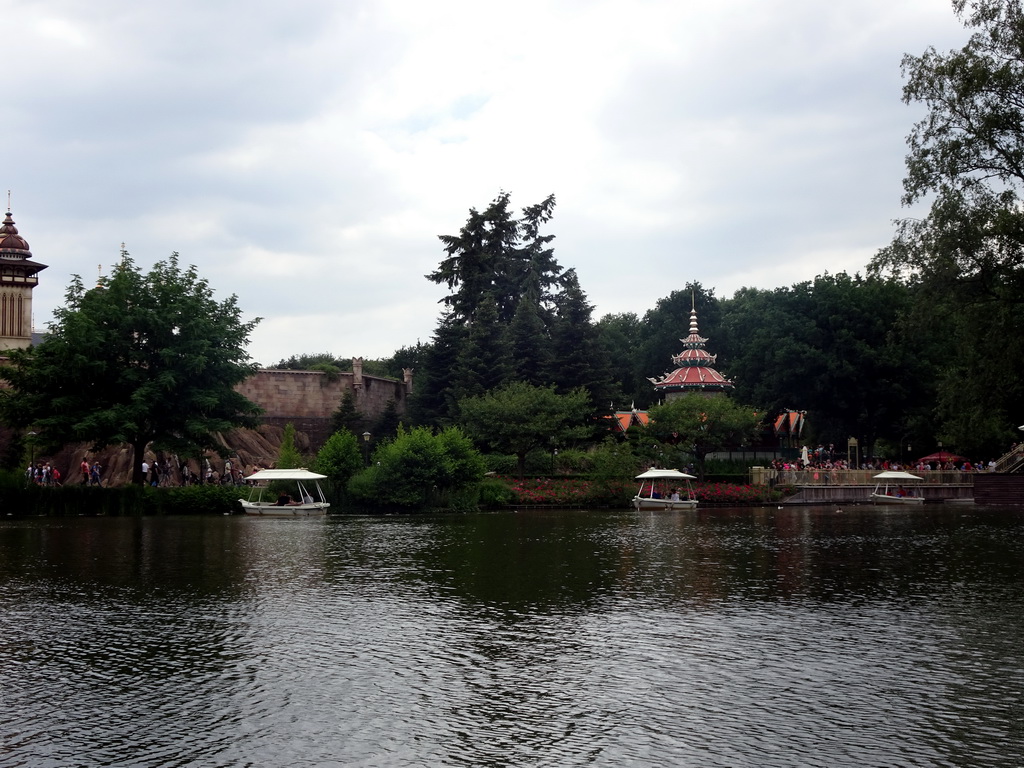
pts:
[819, 486]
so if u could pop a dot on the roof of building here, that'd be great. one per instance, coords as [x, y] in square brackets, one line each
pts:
[12, 245]
[694, 371]
[623, 420]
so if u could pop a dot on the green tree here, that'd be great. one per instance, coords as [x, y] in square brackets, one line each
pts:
[529, 346]
[420, 469]
[518, 417]
[386, 425]
[482, 359]
[433, 402]
[966, 160]
[700, 425]
[830, 347]
[288, 456]
[495, 264]
[347, 417]
[578, 358]
[142, 358]
[312, 362]
[499, 256]
[614, 468]
[621, 336]
[339, 459]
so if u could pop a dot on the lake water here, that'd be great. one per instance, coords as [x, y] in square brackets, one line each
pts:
[721, 637]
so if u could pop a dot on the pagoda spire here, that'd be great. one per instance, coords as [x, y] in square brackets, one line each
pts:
[694, 371]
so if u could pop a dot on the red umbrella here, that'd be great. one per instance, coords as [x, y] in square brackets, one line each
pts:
[942, 457]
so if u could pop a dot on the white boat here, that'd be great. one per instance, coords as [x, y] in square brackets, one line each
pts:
[310, 499]
[656, 490]
[890, 490]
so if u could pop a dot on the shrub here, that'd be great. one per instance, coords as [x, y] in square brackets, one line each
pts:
[495, 492]
[421, 470]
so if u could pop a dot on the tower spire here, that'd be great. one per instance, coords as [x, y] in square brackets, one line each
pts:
[694, 372]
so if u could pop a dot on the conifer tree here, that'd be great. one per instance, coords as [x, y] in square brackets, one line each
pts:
[577, 357]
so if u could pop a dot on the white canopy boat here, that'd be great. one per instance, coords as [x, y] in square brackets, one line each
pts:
[890, 490]
[284, 505]
[666, 489]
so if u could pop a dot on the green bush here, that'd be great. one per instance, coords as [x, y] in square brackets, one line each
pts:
[500, 463]
[573, 461]
[495, 492]
[21, 498]
[420, 470]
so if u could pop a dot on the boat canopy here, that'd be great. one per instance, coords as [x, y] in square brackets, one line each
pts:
[664, 474]
[285, 474]
[893, 475]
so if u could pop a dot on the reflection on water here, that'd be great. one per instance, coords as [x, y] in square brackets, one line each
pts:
[727, 637]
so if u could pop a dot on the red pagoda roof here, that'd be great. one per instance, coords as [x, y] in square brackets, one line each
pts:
[694, 371]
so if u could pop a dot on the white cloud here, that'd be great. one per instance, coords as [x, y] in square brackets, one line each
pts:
[307, 156]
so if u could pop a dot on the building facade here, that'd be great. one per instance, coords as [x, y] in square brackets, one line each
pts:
[18, 276]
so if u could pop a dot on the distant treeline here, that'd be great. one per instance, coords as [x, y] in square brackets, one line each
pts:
[898, 362]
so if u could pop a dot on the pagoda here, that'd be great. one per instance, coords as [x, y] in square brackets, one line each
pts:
[694, 373]
[18, 276]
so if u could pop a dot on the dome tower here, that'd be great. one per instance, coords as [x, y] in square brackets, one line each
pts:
[18, 276]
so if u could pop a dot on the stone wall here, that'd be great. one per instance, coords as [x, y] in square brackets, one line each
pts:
[308, 399]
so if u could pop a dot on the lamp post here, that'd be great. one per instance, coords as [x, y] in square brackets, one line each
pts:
[366, 448]
[32, 452]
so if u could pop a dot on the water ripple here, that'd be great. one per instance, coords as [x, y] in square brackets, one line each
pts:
[555, 639]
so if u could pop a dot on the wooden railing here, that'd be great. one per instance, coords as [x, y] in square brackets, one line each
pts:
[857, 477]
[1013, 461]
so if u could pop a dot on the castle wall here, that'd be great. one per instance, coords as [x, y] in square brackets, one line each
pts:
[308, 399]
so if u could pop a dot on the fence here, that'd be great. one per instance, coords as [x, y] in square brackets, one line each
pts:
[804, 477]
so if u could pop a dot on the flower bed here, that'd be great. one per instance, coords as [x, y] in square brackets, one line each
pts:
[729, 493]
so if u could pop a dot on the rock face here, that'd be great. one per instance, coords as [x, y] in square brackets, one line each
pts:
[305, 399]
[247, 449]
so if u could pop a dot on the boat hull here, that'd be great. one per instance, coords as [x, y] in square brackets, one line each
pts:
[883, 498]
[643, 504]
[262, 509]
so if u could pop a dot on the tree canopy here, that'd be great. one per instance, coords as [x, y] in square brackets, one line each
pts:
[699, 425]
[140, 358]
[966, 160]
[512, 314]
[420, 469]
[518, 417]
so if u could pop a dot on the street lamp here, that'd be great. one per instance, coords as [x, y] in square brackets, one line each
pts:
[366, 448]
[32, 451]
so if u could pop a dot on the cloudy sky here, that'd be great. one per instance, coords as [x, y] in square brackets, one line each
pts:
[305, 155]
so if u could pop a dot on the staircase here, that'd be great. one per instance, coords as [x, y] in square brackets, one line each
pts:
[1012, 462]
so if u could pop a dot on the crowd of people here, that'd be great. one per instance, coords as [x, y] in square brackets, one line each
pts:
[825, 459]
[157, 473]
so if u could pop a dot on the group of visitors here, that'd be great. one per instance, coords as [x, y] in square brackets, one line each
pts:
[157, 473]
[882, 465]
[42, 473]
[92, 474]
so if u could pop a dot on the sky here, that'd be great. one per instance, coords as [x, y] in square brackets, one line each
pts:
[305, 156]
